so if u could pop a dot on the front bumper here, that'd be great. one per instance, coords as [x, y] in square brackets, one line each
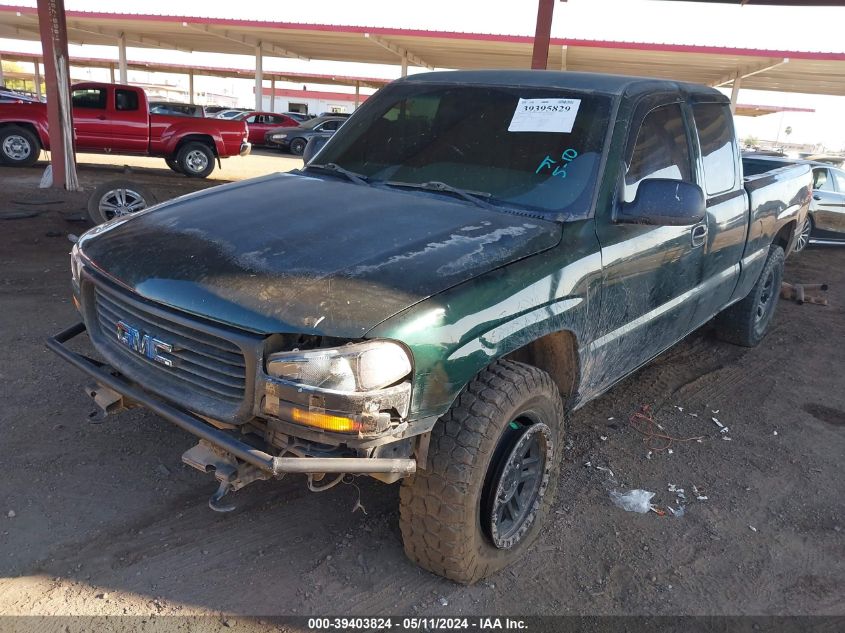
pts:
[222, 439]
[246, 148]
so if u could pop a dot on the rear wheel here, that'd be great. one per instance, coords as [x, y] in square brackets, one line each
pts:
[173, 164]
[118, 198]
[297, 146]
[195, 160]
[19, 147]
[746, 322]
[490, 478]
[803, 237]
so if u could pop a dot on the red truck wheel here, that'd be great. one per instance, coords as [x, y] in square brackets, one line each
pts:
[173, 164]
[18, 146]
[196, 160]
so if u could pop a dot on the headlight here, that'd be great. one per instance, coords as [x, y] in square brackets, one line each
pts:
[278, 137]
[75, 263]
[352, 368]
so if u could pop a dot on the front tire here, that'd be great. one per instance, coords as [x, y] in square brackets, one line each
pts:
[195, 160]
[19, 147]
[491, 475]
[747, 322]
[297, 146]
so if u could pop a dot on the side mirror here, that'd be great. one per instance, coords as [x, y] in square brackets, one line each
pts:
[315, 144]
[664, 202]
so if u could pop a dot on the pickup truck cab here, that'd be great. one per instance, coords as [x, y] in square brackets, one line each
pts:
[470, 257]
[116, 119]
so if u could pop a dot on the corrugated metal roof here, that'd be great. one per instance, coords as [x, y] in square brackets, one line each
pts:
[806, 71]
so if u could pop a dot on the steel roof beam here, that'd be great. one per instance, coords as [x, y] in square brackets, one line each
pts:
[750, 71]
[246, 41]
[398, 50]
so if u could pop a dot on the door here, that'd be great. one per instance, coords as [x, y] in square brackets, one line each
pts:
[650, 273]
[130, 123]
[91, 123]
[727, 207]
[828, 208]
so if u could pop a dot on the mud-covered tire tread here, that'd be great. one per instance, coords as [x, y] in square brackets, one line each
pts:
[736, 323]
[438, 505]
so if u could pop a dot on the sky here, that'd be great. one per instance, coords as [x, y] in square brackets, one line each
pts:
[793, 28]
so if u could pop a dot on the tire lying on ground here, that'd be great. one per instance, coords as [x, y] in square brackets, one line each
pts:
[195, 159]
[118, 198]
[746, 322]
[490, 476]
[19, 147]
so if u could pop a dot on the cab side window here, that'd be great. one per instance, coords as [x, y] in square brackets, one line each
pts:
[93, 98]
[125, 100]
[822, 180]
[839, 178]
[661, 150]
[718, 146]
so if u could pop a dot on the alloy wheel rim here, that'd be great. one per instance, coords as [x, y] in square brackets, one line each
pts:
[196, 160]
[120, 202]
[518, 489]
[803, 237]
[16, 147]
[765, 301]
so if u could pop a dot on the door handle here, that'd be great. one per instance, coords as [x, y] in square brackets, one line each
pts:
[698, 235]
[102, 117]
[817, 197]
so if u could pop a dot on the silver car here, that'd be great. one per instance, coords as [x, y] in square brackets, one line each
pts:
[825, 223]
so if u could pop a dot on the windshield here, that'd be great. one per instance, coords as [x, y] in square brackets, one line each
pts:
[532, 148]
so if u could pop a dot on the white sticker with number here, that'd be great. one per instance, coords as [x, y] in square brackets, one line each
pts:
[544, 115]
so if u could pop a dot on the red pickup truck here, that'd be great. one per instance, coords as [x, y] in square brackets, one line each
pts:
[116, 119]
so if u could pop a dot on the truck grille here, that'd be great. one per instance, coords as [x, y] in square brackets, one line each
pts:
[203, 364]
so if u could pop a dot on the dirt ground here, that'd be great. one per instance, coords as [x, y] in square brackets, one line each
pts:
[104, 519]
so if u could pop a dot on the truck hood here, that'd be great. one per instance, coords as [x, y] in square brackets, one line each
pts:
[292, 253]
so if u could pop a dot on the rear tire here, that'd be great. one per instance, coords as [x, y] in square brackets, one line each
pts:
[19, 147]
[297, 146]
[747, 322]
[195, 160]
[474, 509]
[174, 165]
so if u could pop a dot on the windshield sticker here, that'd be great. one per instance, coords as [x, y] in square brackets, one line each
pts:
[544, 115]
[548, 162]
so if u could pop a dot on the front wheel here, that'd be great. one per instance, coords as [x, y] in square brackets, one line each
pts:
[195, 160]
[297, 146]
[490, 478]
[18, 146]
[746, 322]
[803, 237]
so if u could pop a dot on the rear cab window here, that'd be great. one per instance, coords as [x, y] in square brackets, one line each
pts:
[125, 100]
[717, 141]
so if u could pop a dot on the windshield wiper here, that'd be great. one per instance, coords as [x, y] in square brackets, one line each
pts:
[334, 168]
[478, 198]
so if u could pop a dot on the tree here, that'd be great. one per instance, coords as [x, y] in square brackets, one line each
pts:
[751, 141]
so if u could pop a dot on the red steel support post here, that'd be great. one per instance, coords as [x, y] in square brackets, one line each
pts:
[540, 56]
[51, 23]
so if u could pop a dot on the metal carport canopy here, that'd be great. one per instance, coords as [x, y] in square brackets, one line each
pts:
[758, 69]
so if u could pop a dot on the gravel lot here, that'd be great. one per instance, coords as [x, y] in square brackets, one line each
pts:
[104, 519]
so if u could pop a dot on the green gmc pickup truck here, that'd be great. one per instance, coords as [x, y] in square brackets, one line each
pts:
[472, 256]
